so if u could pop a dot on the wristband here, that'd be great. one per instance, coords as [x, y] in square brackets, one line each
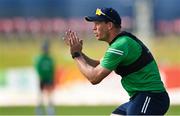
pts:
[75, 54]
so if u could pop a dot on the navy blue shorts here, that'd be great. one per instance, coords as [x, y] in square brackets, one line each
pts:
[44, 83]
[145, 103]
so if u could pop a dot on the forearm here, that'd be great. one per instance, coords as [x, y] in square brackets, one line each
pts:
[87, 70]
[90, 61]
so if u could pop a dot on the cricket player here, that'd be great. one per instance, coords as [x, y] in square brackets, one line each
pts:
[45, 68]
[129, 58]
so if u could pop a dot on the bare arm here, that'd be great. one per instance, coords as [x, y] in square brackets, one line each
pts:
[90, 61]
[94, 74]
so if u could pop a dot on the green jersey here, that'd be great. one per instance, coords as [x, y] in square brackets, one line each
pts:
[124, 51]
[45, 67]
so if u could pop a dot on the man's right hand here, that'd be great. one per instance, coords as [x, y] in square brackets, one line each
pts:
[72, 40]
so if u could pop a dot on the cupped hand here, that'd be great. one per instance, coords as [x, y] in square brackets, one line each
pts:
[73, 41]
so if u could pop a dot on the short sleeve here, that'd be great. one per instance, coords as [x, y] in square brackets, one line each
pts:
[114, 55]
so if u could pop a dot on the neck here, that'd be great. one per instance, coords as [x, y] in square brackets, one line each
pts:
[112, 35]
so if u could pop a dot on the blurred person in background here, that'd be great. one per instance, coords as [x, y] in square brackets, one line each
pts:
[129, 58]
[45, 68]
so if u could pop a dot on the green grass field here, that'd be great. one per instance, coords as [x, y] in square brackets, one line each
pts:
[73, 110]
[20, 53]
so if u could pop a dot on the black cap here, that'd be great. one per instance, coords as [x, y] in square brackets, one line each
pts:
[105, 14]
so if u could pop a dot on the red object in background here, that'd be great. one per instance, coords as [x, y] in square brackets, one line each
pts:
[172, 76]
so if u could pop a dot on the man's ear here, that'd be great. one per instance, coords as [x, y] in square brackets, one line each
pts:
[110, 25]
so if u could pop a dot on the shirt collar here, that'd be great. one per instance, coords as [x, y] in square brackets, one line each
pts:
[116, 37]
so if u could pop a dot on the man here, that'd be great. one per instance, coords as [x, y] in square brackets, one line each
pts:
[129, 58]
[45, 69]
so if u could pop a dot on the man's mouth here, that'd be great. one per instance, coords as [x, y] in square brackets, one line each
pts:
[96, 35]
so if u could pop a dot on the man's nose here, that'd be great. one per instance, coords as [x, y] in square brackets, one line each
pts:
[94, 27]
